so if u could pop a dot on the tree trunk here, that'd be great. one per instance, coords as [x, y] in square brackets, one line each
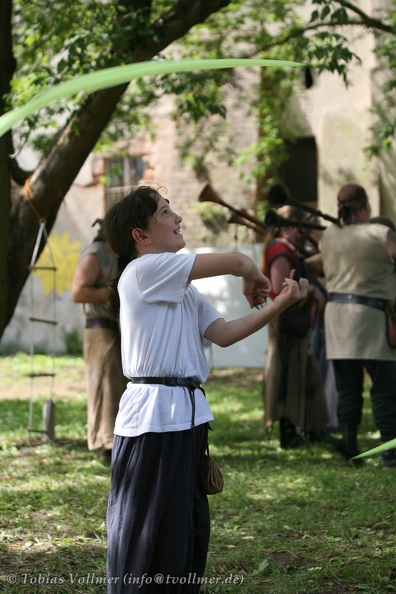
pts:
[43, 192]
[7, 68]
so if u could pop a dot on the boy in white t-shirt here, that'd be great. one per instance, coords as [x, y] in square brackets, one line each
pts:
[158, 514]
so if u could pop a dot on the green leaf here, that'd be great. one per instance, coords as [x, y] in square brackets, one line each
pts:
[264, 565]
[388, 445]
[110, 77]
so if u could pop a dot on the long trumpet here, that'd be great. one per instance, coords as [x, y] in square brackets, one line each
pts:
[279, 195]
[240, 216]
[272, 219]
[241, 220]
[208, 194]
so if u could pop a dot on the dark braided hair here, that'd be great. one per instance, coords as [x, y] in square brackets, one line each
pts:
[289, 212]
[134, 211]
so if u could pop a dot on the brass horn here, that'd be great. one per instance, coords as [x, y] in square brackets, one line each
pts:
[241, 220]
[279, 195]
[272, 219]
[208, 194]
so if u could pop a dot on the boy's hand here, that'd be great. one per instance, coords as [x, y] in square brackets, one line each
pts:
[293, 291]
[256, 288]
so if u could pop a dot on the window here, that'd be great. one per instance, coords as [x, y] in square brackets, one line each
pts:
[300, 171]
[124, 171]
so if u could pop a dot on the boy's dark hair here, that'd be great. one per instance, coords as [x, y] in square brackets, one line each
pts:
[134, 211]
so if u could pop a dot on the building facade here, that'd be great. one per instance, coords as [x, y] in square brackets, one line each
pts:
[332, 126]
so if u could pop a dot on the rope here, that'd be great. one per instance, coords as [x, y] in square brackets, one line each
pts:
[29, 198]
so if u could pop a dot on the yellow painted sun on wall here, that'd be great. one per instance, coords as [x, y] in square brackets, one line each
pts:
[62, 253]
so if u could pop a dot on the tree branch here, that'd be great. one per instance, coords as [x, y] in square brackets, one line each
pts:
[366, 20]
[297, 32]
[178, 21]
[50, 182]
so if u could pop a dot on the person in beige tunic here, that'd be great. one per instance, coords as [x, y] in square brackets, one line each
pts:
[102, 344]
[359, 264]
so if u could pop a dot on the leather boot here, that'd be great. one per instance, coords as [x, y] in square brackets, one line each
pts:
[289, 438]
[388, 458]
[349, 447]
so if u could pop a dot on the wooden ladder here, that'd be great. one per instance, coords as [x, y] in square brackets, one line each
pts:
[48, 428]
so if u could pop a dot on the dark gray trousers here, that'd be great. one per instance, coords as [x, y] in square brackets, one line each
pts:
[349, 375]
[158, 514]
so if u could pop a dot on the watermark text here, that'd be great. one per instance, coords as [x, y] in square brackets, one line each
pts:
[45, 579]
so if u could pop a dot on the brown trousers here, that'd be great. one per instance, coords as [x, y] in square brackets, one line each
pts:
[105, 384]
[292, 383]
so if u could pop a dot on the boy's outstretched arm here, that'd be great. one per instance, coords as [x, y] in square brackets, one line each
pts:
[225, 333]
[256, 286]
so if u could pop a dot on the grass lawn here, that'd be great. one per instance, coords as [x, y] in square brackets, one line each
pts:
[288, 521]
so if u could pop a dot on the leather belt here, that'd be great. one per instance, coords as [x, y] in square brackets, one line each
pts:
[186, 382]
[94, 323]
[381, 304]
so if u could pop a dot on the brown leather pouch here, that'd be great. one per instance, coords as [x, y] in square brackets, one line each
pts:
[214, 481]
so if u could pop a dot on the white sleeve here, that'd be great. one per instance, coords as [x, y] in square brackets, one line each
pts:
[164, 277]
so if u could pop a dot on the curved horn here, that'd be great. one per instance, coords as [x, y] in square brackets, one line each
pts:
[272, 219]
[279, 195]
[208, 194]
[241, 220]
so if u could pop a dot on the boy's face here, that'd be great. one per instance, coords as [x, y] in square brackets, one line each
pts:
[164, 230]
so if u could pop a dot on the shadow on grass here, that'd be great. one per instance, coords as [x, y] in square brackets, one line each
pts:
[54, 569]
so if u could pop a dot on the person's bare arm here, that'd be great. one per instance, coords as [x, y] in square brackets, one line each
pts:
[87, 274]
[225, 333]
[280, 269]
[256, 286]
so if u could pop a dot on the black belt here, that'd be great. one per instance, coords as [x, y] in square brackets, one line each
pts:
[381, 304]
[186, 382]
[92, 323]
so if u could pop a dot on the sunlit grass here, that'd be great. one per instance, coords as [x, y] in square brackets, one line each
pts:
[288, 521]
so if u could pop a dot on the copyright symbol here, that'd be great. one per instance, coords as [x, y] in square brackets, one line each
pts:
[159, 578]
[11, 578]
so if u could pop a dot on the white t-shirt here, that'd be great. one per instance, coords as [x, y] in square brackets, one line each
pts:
[163, 319]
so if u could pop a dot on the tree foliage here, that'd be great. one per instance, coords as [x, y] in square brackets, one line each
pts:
[44, 42]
